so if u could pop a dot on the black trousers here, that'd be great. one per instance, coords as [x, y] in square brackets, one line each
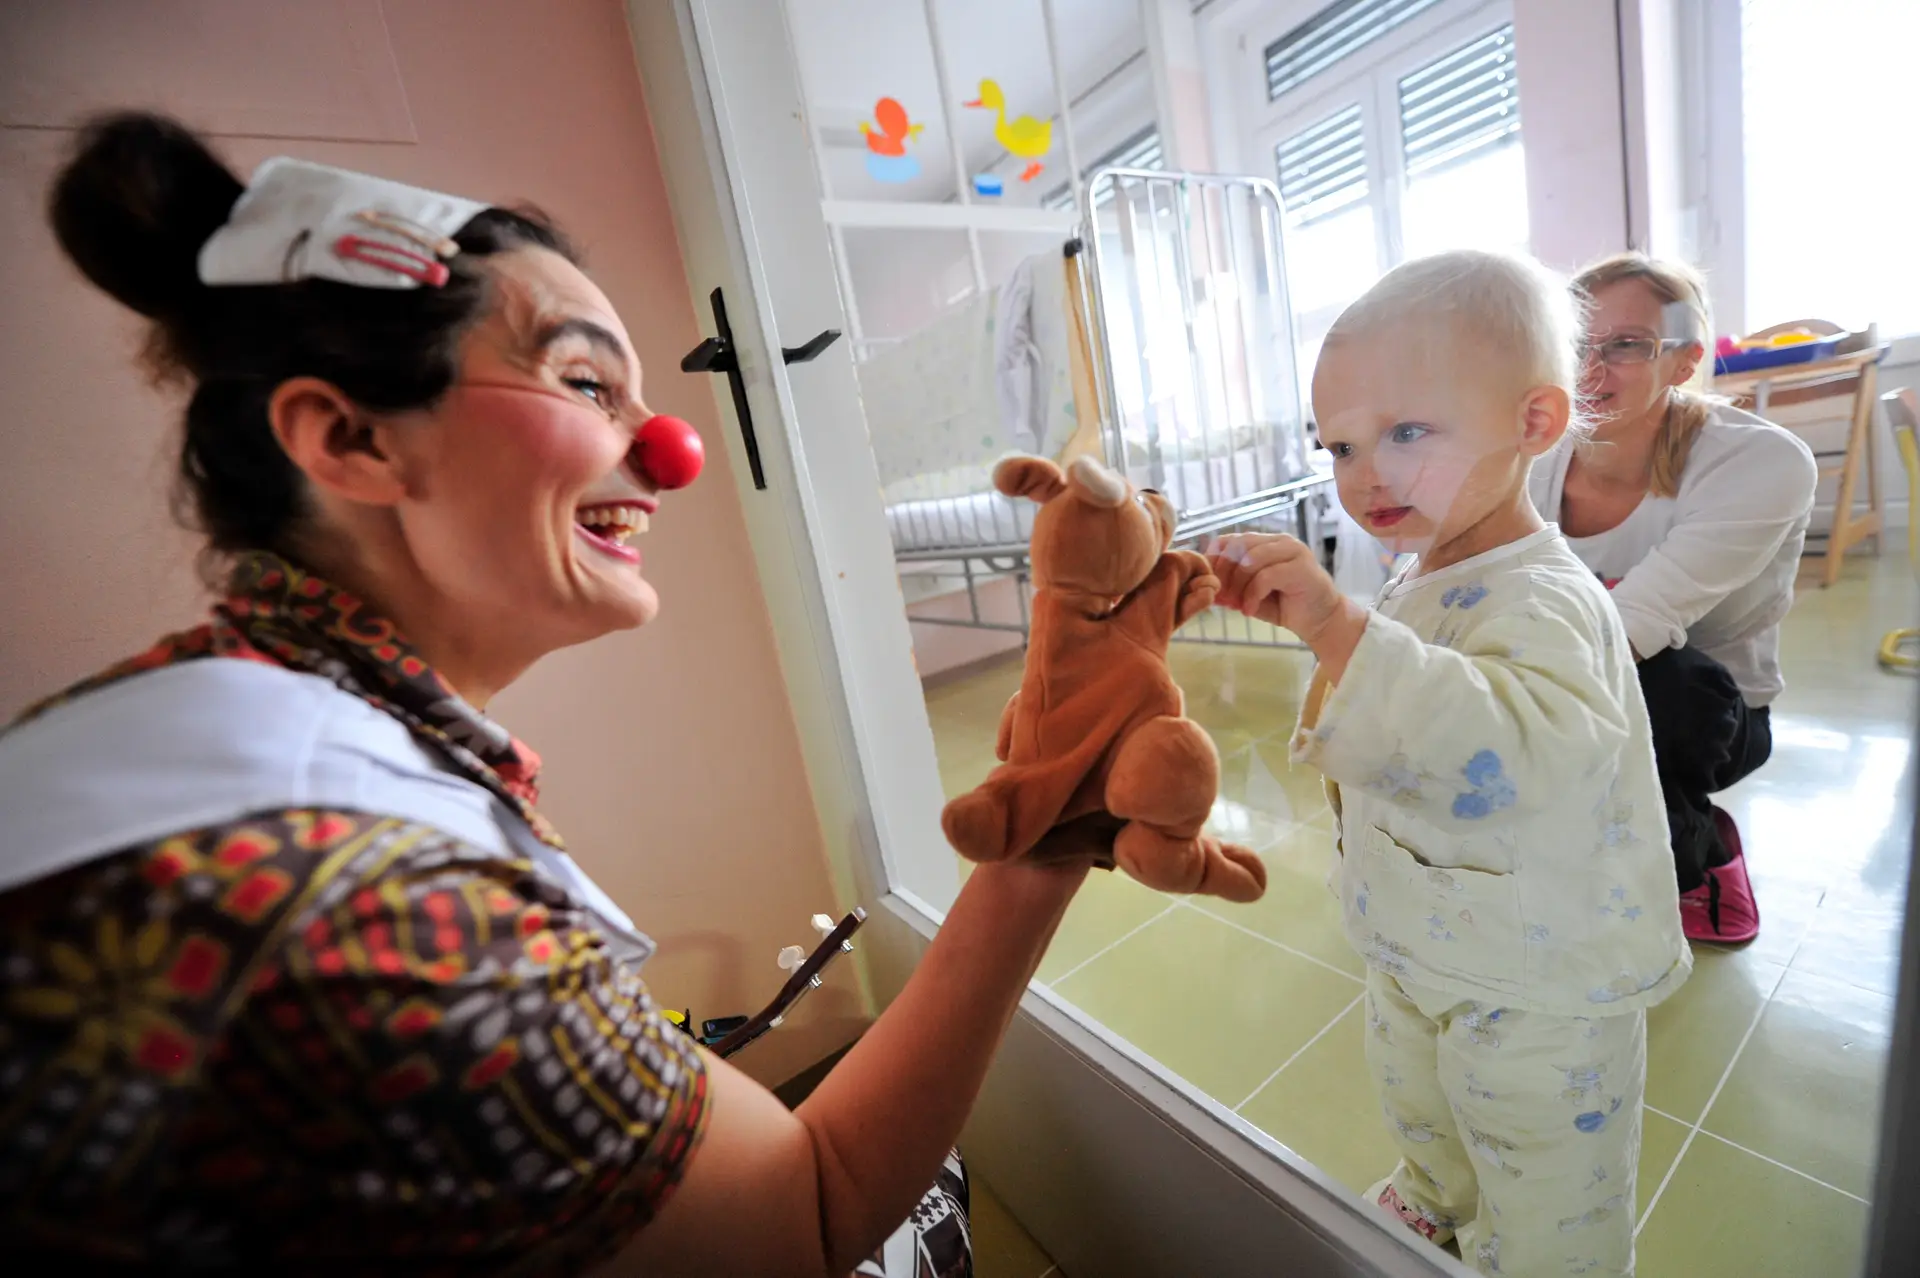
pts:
[1705, 738]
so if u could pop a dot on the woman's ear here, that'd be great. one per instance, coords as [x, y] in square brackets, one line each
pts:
[1544, 414]
[333, 442]
[1686, 362]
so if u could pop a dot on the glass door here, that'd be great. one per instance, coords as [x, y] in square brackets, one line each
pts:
[886, 169]
[1184, 1090]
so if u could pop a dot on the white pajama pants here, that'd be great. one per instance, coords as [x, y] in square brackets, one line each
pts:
[1519, 1132]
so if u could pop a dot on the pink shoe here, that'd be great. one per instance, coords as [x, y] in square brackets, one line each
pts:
[1722, 911]
[1424, 1223]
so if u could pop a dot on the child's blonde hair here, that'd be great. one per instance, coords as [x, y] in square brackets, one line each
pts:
[1687, 410]
[1510, 306]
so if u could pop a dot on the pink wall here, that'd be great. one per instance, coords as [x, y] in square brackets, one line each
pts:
[673, 763]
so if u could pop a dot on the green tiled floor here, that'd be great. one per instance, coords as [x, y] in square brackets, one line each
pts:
[1763, 1070]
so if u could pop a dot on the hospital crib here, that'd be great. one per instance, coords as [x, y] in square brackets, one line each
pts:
[1159, 339]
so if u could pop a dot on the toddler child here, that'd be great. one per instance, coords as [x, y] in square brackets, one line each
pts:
[1504, 866]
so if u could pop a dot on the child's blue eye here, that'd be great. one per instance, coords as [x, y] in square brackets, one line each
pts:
[1408, 432]
[1340, 451]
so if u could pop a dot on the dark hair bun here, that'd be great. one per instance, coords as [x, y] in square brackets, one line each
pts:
[133, 207]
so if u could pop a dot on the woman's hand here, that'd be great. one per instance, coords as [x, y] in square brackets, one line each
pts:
[1277, 579]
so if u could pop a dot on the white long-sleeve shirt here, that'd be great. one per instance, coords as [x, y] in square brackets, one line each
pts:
[1712, 566]
[1502, 830]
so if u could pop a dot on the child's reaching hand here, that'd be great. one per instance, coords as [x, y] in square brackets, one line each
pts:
[1276, 579]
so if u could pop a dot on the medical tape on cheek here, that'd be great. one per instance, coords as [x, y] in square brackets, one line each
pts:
[1679, 322]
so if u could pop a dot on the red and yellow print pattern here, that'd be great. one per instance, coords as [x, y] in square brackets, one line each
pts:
[329, 1040]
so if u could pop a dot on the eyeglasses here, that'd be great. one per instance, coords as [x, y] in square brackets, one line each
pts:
[1629, 350]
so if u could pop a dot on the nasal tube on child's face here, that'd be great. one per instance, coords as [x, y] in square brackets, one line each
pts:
[667, 453]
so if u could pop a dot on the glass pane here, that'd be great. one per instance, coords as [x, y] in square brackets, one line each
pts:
[1332, 248]
[903, 279]
[1479, 203]
[932, 395]
[867, 68]
[1329, 263]
[1260, 1006]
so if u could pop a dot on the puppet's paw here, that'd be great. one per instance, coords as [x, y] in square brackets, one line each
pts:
[976, 825]
[1234, 873]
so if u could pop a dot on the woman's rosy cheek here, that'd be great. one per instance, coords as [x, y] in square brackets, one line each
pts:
[540, 436]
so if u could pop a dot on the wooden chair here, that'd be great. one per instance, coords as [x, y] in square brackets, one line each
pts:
[1903, 414]
[1854, 374]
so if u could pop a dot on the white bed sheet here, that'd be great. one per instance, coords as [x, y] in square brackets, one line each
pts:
[965, 522]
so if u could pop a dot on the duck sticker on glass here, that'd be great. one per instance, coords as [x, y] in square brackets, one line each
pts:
[887, 157]
[1025, 137]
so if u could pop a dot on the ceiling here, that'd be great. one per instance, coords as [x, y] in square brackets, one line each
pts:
[854, 52]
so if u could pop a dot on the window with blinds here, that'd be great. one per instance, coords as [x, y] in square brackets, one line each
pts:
[1141, 151]
[1323, 169]
[1460, 106]
[1334, 33]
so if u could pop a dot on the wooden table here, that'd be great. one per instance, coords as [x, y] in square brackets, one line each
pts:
[1855, 374]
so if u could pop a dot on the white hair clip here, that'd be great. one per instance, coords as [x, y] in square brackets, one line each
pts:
[298, 221]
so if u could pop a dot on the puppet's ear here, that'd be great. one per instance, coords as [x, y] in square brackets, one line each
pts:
[1098, 486]
[1033, 477]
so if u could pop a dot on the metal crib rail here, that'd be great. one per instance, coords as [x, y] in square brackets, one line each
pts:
[1195, 380]
[1187, 280]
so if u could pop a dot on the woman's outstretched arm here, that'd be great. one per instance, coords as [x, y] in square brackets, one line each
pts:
[815, 1191]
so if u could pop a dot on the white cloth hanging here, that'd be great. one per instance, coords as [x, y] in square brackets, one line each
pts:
[1017, 363]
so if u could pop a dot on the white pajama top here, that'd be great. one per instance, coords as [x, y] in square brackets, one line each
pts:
[1488, 754]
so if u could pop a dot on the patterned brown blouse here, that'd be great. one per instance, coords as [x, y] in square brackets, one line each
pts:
[325, 1040]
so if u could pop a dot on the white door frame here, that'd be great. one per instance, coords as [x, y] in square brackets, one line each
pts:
[1114, 1167]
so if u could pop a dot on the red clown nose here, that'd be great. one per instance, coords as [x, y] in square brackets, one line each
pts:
[668, 452]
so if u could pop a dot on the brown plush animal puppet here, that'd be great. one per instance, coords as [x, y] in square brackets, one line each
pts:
[1098, 723]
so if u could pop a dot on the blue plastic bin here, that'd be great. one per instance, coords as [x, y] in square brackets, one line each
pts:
[1775, 357]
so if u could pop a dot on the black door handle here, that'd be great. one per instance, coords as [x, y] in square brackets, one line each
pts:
[818, 343]
[710, 356]
[716, 355]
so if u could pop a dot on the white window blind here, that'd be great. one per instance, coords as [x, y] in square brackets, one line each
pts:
[1460, 106]
[1330, 35]
[1323, 168]
[1141, 151]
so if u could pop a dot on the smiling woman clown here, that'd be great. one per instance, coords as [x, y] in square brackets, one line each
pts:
[293, 975]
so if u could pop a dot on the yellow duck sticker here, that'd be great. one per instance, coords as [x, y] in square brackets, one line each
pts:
[1025, 136]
